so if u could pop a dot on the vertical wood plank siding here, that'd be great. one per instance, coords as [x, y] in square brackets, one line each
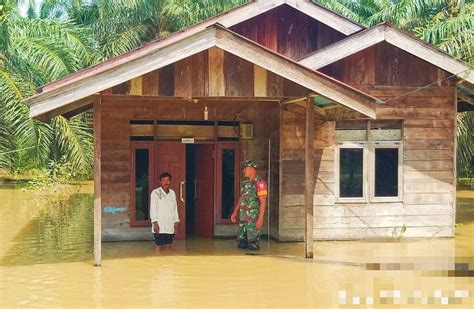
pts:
[288, 32]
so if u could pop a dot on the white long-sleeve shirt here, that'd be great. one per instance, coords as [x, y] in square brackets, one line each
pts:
[164, 210]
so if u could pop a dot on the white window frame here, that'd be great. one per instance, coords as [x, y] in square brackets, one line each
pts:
[368, 192]
[352, 145]
[388, 145]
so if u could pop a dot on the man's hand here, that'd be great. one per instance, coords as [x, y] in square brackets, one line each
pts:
[233, 217]
[156, 227]
[176, 225]
[259, 223]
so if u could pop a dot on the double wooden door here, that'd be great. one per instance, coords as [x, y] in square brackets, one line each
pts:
[149, 161]
[215, 189]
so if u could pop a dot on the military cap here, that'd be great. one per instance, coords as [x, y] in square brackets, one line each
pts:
[250, 163]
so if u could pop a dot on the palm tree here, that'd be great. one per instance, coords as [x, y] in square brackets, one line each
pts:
[34, 52]
[466, 144]
[119, 26]
[183, 13]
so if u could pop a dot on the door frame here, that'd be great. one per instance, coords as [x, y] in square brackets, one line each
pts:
[150, 145]
[218, 179]
[134, 145]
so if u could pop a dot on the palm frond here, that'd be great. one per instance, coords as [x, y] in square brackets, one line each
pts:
[74, 141]
[343, 8]
[125, 41]
[9, 155]
[465, 135]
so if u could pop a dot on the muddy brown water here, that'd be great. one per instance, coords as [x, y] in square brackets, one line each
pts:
[46, 261]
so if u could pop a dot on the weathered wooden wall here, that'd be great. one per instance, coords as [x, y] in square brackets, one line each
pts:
[384, 64]
[213, 73]
[288, 32]
[292, 156]
[428, 204]
[117, 110]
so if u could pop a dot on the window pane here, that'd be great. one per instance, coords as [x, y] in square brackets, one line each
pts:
[351, 135]
[141, 184]
[351, 172]
[351, 130]
[386, 135]
[228, 181]
[386, 130]
[386, 172]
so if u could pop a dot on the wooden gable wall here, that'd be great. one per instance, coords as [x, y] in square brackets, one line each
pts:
[288, 32]
[212, 73]
[384, 64]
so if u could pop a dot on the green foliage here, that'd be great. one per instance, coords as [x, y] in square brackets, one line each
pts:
[34, 52]
[183, 13]
[54, 184]
[55, 173]
[465, 151]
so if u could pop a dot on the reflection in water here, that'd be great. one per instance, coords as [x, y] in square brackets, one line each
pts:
[61, 231]
[46, 261]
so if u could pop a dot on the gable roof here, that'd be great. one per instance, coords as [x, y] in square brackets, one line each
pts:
[324, 15]
[227, 19]
[399, 38]
[215, 36]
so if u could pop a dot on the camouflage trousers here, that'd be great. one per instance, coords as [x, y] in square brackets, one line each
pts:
[247, 232]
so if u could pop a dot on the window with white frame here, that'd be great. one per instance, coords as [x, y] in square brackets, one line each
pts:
[369, 161]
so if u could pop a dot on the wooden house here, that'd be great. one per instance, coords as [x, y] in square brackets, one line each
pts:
[353, 128]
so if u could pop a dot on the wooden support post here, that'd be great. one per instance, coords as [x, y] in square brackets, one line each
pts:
[97, 184]
[308, 179]
[455, 158]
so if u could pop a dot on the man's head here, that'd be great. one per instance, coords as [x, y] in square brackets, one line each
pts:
[165, 180]
[249, 168]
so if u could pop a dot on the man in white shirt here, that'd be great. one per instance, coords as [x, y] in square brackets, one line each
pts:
[164, 213]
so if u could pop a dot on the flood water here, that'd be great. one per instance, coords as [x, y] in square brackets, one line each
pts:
[46, 261]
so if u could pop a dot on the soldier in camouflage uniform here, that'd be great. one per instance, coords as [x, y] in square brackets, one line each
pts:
[250, 207]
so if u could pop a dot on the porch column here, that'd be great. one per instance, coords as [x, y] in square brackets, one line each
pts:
[97, 184]
[308, 179]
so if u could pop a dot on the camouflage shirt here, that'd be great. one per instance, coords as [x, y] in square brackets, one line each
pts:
[251, 191]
